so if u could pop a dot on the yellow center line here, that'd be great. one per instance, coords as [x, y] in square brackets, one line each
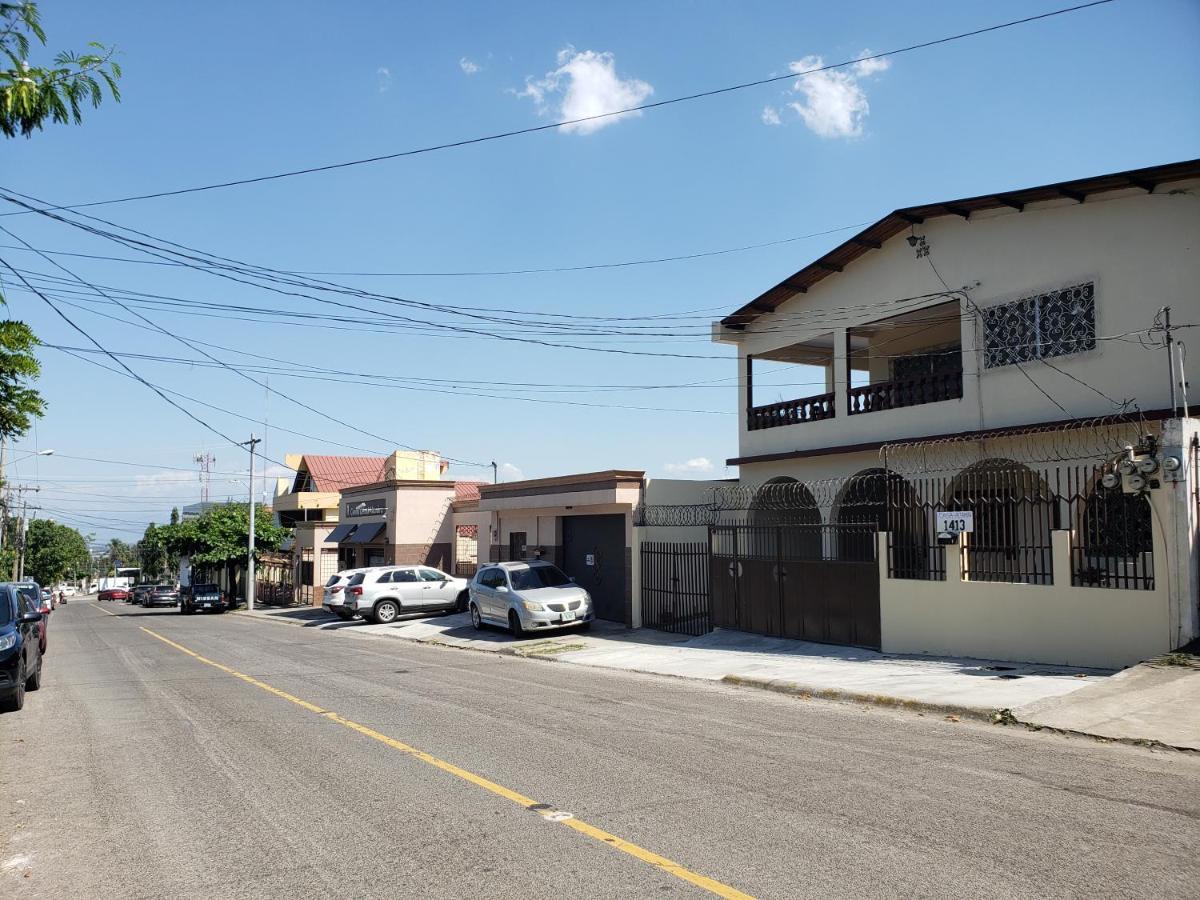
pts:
[598, 834]
[102, 609]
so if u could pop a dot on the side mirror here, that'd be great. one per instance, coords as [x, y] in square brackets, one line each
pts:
[501, 589]
[31, 617]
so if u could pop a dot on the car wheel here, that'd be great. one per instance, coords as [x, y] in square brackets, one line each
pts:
[460, 605]
[34, 681]
[386, 611]
[14, 701]
[476, 619]
[514, 625]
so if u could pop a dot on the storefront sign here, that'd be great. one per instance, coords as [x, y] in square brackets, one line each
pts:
[366, 508]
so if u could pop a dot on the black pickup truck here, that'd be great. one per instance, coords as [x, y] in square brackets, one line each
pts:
[199, 597]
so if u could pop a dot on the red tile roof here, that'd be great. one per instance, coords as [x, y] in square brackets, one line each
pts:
[335, 473]
[467, 490]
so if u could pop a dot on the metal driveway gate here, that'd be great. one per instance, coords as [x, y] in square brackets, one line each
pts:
[810, 582]
[674, 582]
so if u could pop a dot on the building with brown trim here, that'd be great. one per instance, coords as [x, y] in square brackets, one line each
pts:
[398, 521]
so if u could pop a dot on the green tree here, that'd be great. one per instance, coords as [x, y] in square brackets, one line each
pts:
[31, 95]
[125, 554]
[221, 534]
[153, 552]
[19, 403]
[53, 551]
[174, 515]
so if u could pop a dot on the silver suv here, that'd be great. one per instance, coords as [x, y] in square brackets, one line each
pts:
[528, 596]
[381, 594]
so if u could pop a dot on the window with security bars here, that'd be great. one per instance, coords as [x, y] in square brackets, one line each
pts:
[1055, 323]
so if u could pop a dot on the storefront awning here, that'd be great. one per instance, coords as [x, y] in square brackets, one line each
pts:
[340, 533]
[366, 533]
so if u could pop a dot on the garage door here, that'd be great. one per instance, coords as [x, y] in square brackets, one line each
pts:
[594, 555]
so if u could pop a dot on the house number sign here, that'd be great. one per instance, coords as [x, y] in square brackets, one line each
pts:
[955, 522]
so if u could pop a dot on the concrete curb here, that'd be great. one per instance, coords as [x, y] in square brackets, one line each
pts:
[790, 687]
[779, 686]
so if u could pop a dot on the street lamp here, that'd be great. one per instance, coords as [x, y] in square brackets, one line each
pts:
[27, 455]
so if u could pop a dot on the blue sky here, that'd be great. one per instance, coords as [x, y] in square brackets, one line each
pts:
[225, 90]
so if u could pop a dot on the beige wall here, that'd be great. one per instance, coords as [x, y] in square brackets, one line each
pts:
[1139, 249]
[1052, 624]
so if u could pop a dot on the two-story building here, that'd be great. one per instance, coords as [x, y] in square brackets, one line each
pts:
[310, 504]
[993, 355]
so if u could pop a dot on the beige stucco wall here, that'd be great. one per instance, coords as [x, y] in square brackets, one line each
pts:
[1053, 624]
[1140, 250]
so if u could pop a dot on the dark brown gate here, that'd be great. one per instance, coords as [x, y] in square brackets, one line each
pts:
[810, 582]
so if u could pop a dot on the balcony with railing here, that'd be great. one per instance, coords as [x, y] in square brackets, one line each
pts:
[906, 360]
[804, 365]
[791, 412]
[901, 392]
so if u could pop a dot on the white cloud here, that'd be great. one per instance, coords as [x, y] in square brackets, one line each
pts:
[835, 104]
[701, 465]
[468, 66]
[770, 116]
[383, 78]
[585, 84]
[509, 472]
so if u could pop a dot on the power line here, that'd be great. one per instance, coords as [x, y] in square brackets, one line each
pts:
[216, 359]
[592, 118]
[588, 267]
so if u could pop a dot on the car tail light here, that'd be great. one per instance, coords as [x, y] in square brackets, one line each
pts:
[356, 591]
[334, 590]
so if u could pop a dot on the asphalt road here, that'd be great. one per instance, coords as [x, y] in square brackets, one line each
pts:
[233, 757]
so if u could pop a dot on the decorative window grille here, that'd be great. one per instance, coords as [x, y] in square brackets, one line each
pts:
[1056, 323]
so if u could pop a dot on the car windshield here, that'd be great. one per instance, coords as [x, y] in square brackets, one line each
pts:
[536, 577]
[6, 605]
[204, 589]
[30, 593]
[333, 579]
[163, 589]
[357, 579]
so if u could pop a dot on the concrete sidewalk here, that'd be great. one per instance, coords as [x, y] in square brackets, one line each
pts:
[1158, 700]
[972, 687]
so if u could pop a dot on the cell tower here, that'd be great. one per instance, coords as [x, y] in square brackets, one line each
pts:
[205, 461]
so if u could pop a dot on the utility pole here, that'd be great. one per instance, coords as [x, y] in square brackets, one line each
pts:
[252, 443]
[25, 510]
[18, 567]
[1166, 326]
[495, 473]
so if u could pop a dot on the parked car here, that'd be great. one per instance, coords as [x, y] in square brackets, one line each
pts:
[528, 596]
[161, 595]
[29, 590]
[114, 593]
[382, 593]
[198, 597]
[137, 593]
[335, 597]
[20, 654]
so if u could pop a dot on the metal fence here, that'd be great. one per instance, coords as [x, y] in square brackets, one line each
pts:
[1016, 511]
[465, 569]
[675, 588]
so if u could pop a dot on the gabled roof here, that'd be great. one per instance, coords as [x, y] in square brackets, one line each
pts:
[874, 236]
[331, 474]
